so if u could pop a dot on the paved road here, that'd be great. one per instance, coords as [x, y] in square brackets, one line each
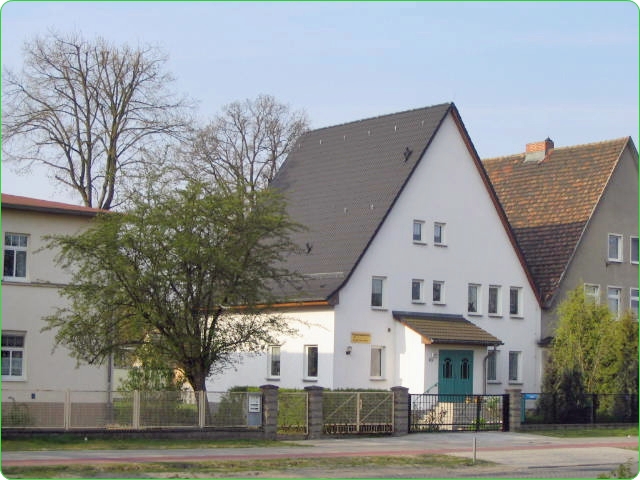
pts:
[517, 454]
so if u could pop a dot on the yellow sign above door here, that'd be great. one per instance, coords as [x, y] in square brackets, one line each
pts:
[359, 337]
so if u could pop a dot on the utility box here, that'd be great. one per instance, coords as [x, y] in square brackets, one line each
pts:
[254, 409]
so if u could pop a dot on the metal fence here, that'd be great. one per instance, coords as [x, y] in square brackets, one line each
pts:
[589, 408]
[357, 412]
[293, 413]
[433, 412]
[68, 410]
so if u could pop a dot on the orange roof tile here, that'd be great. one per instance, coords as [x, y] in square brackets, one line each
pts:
[27, 203]
[549, 203]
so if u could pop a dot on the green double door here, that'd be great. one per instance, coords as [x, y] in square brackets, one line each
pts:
[455, 376]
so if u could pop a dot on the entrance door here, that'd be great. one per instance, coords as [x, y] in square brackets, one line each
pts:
[456, 374]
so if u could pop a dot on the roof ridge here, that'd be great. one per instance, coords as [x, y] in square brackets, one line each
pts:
[367, 119]
[566, 147]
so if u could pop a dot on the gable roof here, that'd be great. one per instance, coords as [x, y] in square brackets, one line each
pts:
[549, 202]
[342, 181]
[445, 328]
[16, 202]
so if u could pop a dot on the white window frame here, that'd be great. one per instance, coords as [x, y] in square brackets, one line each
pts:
[633, 239]
[270, 357]
[498, 311]
[12, 349]
[614, 294]
[379, 362]
[478, 290]
[620, 247]
[420, 284]
[633, 298]
[307, 352]
[519, 307]
[595, 295]
[442, 300]
[420, 240]
[383, 281]
[16, 249]
[492, 358]
[517, 369]
[441, 226]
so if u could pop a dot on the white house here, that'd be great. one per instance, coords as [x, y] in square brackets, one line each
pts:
[30, 290]
[412, 273]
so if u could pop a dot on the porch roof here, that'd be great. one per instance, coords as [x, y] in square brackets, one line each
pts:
[446, 328]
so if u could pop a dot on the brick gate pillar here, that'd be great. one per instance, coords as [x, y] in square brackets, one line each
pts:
[400, 411]
[315, 415]
[269, 411]
[515, 408]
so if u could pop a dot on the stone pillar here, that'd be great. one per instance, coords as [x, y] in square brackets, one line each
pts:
[515, 408]
[400, 411]
[315, 416]
[269, 411]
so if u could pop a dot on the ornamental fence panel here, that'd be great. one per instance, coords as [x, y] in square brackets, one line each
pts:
[433, 412]
[357, 412]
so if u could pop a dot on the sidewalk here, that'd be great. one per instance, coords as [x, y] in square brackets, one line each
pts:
[518, 454]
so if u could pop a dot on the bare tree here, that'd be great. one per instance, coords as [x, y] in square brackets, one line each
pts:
[87, 109]
[245, 144]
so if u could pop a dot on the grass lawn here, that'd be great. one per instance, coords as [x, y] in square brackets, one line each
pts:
[589, 432]
[235, 467]
[74, 442]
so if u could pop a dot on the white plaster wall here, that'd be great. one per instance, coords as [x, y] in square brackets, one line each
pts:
[25, 303]
[446, 187]
[315, 327]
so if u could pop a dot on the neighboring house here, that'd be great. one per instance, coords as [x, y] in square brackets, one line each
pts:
[30, 290]
[412, 275]
[574, 212]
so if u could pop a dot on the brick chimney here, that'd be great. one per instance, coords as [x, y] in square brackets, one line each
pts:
[538, 151]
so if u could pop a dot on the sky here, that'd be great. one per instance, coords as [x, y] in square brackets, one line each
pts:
[518, 72]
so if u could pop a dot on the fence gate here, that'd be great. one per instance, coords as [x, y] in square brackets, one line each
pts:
[432, 413]
[357, 412]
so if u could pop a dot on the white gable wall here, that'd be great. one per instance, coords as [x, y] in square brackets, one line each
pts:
[445, 187]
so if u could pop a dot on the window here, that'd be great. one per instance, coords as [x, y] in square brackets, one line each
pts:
[417, 288]
[438, 292]
[592, 293]
[492, 367]
[447, 368]
[417, 231]
[615, 248]
[15, 256]
[515, 367]
[515, 301]
[613, 296]
[438, 234]
[274, 361]
[473, 298]
[13, 356]
[377, 356]
[377, 290]
[633, 301]
[311, 362]
[634, 250]
[494, 300]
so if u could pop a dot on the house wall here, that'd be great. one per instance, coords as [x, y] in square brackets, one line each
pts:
[24, 303]
[617, 213]
[447, 188]
[315, 327]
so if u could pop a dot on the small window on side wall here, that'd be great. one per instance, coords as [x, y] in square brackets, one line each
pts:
[634, 250]
[417, 289]
[377, 362]
[13, 350]
[439, 237]
[515, 301]
[614, 248]
[418, 227]
[377, 292]
[473, 299]
[311, 362]
[438, 292]
[15, 256]
[274, 361]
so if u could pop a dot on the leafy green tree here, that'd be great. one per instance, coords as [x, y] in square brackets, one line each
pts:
[185, 276]
[584, 341]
